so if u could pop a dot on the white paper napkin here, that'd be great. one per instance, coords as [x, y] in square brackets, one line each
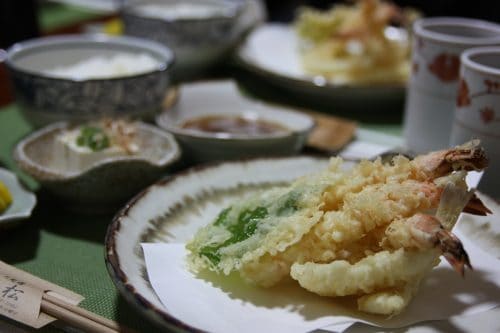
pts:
[226, 304]
[362, 149]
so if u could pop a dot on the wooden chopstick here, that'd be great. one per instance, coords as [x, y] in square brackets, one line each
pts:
[57, 308]
[78, 317]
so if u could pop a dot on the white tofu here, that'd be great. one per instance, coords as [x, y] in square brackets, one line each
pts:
[68, 156]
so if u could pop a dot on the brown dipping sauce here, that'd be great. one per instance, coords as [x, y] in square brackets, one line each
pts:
[234, 125]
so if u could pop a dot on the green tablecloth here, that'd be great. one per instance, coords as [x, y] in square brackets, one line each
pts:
[53, 16]
[67, 248]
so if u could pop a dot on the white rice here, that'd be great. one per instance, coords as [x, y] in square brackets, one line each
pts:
[100, 67]
[180, 10]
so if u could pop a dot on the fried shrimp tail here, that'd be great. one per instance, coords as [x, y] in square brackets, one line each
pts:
[476, 207]
[453, 251]
[422, 232]
[469, 156]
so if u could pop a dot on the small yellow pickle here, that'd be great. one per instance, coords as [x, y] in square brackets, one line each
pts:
[5, 197]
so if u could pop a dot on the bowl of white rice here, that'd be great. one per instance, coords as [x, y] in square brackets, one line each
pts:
[85, 77]
[200, 32]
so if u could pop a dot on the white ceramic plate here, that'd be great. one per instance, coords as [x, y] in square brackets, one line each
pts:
[23, 201]
[270, 53]
[172, 210]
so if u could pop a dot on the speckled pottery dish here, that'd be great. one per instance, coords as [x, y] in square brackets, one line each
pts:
[222, 98]
[105, 184]
[130, 91]
[172, 210]
[23, 201]
[199, 32]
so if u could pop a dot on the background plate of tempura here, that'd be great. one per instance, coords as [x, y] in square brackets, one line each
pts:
[344, 58]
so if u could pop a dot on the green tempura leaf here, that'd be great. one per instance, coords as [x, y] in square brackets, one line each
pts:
[222, 218]
[211, 253]
[242, 229]
[244, 225]
[247, 223]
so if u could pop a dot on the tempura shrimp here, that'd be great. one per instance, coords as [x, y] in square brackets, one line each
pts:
[373, 231]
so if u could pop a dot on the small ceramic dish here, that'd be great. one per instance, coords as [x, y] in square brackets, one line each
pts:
[87, 77]
[222, 99]
[23, 201]
[108, 182]
[199, 32]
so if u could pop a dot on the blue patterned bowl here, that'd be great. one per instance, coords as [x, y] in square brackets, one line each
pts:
[199, 40]
[45, 98]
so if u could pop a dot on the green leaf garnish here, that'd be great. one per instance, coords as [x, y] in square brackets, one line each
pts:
[93, 138]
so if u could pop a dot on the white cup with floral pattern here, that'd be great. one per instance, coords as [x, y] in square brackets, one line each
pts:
[430, 102]
[477, 111]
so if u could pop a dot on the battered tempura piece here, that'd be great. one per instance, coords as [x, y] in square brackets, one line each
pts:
[373, 231]
[351, 43]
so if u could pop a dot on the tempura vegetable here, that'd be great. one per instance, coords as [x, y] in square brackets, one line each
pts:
[373, 231]
[355, 43]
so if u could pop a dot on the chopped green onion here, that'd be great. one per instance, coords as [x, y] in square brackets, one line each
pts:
[93, 138]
